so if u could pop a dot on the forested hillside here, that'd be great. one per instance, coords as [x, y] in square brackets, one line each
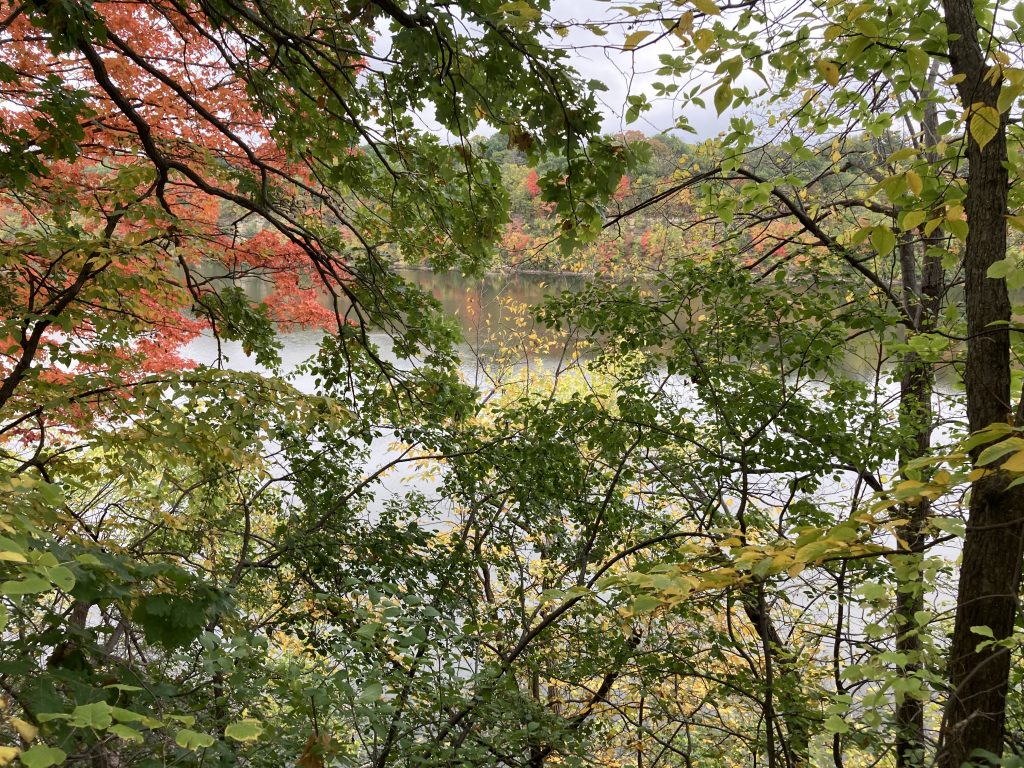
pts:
[748, 492]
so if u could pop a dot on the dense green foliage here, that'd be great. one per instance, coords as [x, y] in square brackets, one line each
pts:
[720, 523]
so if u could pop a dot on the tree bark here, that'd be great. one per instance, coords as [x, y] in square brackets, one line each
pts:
[916, 415]
[922, 295]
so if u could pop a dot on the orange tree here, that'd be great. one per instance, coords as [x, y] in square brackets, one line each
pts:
[169, 530]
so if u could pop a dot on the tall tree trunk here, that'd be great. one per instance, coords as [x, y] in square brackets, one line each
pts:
[915, 409]
[990, 572]
[917, 385]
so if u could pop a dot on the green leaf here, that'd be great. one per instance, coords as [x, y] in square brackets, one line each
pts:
[995, 452]
[836, 724]
[171, 620]
[903, 154]
[126, 715]
[248, 729]
[918, 60]
[723, 96]
[703, 38]
[98, 716]
[126, 733]
[41, 756]
[873, 591]
[882, 240]
[520, 8]
[983, 631]
[193, 740]
[912, 219]
[948, 525]
[368, 630]
[987, 434]
[30, 585]
[645, 604]
[61, 577]
[371, 692]
[866, 27]
[1000, 269]
[1007, 96]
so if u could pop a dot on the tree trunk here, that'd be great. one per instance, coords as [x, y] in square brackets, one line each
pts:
[922, 297]
[990, 573]
[916, 414]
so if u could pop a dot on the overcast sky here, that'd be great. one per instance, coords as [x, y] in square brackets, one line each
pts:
[601, 58]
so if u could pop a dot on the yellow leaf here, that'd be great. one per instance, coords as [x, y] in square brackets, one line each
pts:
[856, 12]
[914, 182]
[633, 39]
[984, 124]
[27, 731]
[703, 39]
[782, 558]
[908, 486]
[7, 755]
[1015, 463]
[707, 6]
[829, 71]
[684, 24]
[1015, 75]
[912, 219]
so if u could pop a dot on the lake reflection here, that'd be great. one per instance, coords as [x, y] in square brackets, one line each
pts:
[495, 313]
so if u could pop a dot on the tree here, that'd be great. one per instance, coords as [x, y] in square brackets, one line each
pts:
[936, 199]
[158, 574]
